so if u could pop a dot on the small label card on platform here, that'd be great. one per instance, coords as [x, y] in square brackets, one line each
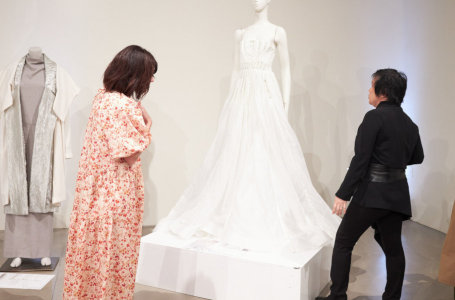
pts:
[24, 281]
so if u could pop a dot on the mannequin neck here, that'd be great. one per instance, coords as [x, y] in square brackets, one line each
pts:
[36, 54]
[262, 16]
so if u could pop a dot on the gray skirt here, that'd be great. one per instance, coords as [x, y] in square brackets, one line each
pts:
[28, 236]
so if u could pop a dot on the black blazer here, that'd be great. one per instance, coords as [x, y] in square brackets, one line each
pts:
[387, 136]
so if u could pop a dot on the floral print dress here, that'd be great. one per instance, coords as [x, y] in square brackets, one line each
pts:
[105, 228]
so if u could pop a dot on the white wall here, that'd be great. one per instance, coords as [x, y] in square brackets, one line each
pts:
[334, 48]
[430, 62]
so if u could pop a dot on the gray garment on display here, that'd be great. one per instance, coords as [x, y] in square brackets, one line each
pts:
[31, 91]
[32, 137]
[29, 235]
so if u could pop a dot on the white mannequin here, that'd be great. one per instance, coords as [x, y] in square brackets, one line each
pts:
[262, 26]
[35, 53]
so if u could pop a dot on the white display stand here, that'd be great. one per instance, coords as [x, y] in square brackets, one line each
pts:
[215, 272]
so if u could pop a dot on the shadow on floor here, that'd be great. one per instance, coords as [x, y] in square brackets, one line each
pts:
[416, 287]
[419, 287]
[147, 295]
[355, 273]
[422, 287]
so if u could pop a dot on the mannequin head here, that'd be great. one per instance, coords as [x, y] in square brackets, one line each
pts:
[35, 53]
[260, 5]
[130, 72]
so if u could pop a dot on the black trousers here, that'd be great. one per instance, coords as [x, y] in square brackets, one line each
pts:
[387, 226]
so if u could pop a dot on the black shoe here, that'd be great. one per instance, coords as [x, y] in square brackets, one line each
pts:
[322, 298]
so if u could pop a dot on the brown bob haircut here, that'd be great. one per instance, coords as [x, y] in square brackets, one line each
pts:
[130, 72]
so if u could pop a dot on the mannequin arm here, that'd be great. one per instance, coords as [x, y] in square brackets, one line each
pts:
[282, 46]
[235, 71]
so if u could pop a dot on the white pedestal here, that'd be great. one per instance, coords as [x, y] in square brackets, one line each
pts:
[215, 272]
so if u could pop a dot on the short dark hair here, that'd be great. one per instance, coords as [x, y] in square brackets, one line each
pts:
[130, 72]
[391, 84]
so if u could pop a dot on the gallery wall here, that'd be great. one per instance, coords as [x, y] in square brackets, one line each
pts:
[334, 48]
[429, 57]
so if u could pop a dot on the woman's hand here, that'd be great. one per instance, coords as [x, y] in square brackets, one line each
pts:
[339, 206]
[146, 116]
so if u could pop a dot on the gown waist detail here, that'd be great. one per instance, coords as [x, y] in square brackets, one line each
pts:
[257, 65]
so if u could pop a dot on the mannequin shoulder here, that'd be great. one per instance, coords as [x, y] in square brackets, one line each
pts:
[280, 34]
[238, 34]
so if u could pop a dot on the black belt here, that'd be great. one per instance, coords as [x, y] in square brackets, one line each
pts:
[381, 173]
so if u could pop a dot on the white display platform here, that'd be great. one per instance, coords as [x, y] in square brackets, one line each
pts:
[210, 271]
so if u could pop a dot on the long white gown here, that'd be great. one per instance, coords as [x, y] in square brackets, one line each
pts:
[253, 190]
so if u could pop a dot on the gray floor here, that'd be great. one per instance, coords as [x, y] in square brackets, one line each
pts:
[422, 247]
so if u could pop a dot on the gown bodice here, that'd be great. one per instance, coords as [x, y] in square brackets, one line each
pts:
[257, 52]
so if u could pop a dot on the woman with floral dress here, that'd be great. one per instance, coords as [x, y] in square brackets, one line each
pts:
[105, 228]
